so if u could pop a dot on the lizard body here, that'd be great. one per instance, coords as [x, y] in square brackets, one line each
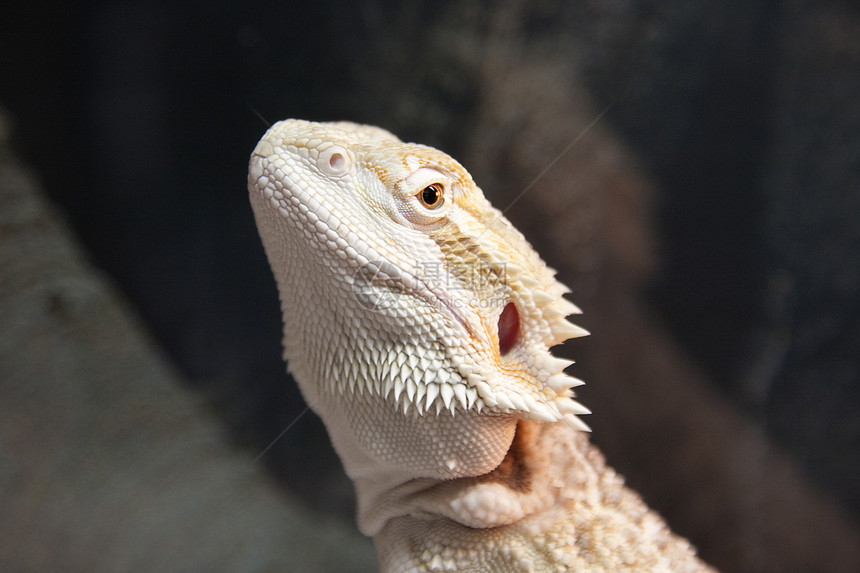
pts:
[418, 323]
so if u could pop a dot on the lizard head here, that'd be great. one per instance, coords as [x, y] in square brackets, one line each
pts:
[400, 281]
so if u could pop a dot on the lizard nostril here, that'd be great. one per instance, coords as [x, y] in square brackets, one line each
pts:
[334, 161]
[337, 162]
[509, 328]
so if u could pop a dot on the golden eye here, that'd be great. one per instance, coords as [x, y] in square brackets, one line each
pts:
[432, 196]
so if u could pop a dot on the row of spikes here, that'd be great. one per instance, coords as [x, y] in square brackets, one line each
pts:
[421, 397]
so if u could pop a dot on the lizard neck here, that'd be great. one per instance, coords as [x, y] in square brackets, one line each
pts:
[390, 454]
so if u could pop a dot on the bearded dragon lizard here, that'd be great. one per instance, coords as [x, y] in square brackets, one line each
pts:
[418, 322]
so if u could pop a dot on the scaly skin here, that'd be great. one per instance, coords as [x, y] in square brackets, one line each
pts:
[418, 324]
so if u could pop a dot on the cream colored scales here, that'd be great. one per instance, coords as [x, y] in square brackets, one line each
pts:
[418, 324]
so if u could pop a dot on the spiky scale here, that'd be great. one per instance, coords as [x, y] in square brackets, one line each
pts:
[518, 402]
[459, 391]
[573, 407]
[513, 271]
[576, 423]
[529, 282]
[471, 397]
[443, 376]
[432, 393]
[465, 369]
[475, 380]
[567, 307]
[555, 364]
[399, 386]
[564, 330]
[420, 392]
[560, 382]
[486, 393]
[541, 411]
[503, 401]
[541, 298]
[447, 392]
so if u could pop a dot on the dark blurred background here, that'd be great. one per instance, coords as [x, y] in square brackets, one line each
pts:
[744, 120]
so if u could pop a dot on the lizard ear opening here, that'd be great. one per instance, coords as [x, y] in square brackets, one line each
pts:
[509, 328]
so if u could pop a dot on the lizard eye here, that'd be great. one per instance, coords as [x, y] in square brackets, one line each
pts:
[432, 196]
[425, 197]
